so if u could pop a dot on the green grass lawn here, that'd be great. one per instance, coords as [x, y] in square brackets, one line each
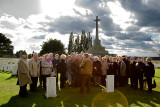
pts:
[70, 97]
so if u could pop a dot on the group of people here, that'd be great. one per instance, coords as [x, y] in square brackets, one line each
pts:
[80, 70]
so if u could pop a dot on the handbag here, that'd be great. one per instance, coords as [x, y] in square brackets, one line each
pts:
[154, 83]
[53, 74]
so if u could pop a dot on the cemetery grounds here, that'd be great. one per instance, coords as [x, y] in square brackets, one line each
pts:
[71, 97]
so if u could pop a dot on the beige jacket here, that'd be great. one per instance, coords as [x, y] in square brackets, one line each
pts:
[23, 73]
[86, 66]
[46, 70]
[34, 68]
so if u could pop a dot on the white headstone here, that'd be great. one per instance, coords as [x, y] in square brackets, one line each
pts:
[51, 87]
[1, 67]
[9, 67]
[14, 69]
[110, 83]
[5, 67]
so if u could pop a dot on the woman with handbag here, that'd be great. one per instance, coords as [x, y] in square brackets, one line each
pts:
[150, 72]
[47, 68]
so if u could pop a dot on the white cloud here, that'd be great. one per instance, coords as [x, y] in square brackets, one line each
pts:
[119, 15]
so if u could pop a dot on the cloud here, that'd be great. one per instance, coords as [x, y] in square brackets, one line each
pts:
[20, 8]
[146, 11]
[68, 24]
[34, 47]
[39, 37]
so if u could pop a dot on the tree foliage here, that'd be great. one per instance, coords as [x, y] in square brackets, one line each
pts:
[54, 46]
[80, 43]
[71, 43]
[6, 49]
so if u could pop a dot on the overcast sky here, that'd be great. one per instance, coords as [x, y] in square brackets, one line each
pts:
[129, 27]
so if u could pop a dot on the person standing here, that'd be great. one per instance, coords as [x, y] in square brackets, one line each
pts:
[76, 70]
[150, 72]
[122, 71]
[23, 75]
[47, 68]
[132, 72]
[97, 72]
[114, 71]
[109, 72]
[69, 70]
[104, 68]
[62, 69]
[139, 71]
[125, 59]
[34, 71]
[86, 72]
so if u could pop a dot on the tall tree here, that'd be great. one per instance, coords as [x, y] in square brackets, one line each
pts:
[54, 46]
[71, 43]
[89, 40]
[6, 49]
[81, 43]
[76, 44]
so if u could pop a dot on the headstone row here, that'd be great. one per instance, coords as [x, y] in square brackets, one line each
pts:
[9, 67]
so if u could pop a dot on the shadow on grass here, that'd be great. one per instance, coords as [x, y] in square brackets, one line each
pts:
[141, 98]
[70, 97]
[12, 76]
[7, 72]
[156, 77]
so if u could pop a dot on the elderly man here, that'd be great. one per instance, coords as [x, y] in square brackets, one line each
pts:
[34, 71]
[86, 72]
[23, 74]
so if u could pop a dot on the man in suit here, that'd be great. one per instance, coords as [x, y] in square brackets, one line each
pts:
[34, 71]
[139, 71]
[23, 74]
[122, 71]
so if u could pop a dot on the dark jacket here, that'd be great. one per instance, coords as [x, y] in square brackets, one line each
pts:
[62, 67]
[113, 69]
[139, 68]
[55, 62]
[98, 66]
[131, 69]
[150, 71]
[127, 67]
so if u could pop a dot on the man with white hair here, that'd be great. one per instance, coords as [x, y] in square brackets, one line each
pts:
[34, 71]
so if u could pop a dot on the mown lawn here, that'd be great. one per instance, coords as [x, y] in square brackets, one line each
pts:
[70, 97]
